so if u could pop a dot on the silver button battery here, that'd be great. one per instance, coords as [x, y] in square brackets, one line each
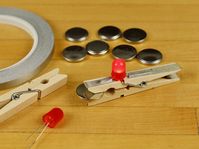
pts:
[149, 56]
[97, 47]
[83, 92]
[109, 33]
[126, 52]
[76, 34]
[74, 53]
[134, 35]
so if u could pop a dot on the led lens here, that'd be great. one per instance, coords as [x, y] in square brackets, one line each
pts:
[118, 70]
[53, 117]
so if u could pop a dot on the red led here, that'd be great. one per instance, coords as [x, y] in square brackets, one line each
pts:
[118, 70]
[53, 117]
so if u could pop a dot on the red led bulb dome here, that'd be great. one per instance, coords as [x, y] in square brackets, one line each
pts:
[53, 117]
[118, 70]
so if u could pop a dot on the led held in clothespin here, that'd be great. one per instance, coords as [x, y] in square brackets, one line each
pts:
[121, 84]
[118, 70]
[28, 93]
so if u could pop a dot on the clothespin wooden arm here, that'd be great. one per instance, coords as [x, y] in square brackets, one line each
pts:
[37, 88]
[6, 98]
[150, 74]
[133, 77]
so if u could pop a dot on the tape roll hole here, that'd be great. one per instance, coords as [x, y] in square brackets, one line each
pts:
[15, 49]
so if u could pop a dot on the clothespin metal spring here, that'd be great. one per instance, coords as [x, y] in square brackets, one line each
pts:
[18, 94]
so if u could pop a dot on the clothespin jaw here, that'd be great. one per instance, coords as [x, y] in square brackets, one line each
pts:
[105, 89]
[28, 93]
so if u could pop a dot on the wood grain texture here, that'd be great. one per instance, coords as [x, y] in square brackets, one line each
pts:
[90, 141]
[165, 117]
[97, 120]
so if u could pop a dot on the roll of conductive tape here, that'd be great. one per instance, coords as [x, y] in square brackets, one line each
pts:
[41, 50]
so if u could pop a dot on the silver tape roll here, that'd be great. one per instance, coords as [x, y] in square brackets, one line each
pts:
[41, 50]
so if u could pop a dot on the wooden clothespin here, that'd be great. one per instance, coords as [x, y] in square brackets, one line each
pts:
[122, 84]
[28, 93]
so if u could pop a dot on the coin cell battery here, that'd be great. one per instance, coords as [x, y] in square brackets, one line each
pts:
[74, 53]
[81, 91]
[126, 52]
[134, 35]
[76, 34]
[109, 33]
[97, 47]
[149, 56]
